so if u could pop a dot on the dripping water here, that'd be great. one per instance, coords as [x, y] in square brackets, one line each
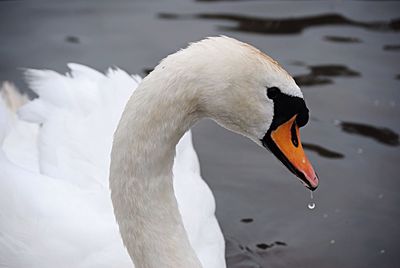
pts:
[311, 204]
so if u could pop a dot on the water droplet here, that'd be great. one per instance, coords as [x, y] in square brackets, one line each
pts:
[382, 251]
[325, 216]
[376, 102]
[311, 204]
[332, 241]
[380, 196]
[360, 150]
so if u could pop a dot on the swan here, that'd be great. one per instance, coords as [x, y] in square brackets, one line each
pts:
[221, 78]
[55, 203]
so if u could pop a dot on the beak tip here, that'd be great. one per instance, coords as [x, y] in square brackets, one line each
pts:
[313, 188]
[313, 183]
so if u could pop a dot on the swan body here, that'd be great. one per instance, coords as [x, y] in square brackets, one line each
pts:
[55, 203]
[164, 211]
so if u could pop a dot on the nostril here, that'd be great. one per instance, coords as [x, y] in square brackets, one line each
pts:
[293, 131]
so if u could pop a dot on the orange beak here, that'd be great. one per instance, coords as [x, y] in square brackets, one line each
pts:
[285, 144]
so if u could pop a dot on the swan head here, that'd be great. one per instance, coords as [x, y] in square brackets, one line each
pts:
[246, 91]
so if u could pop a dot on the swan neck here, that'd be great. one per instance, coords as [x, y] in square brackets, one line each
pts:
[141, 179]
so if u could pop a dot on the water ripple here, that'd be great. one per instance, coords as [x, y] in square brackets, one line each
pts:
[342, 39]
[286, 25]
[247, 220]
[72, 39]
[391, 47]
[380, 134]
[322, 151]
[240, 255]
[319, 74]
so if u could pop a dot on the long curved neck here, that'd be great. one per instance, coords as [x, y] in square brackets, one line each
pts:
[154, 120]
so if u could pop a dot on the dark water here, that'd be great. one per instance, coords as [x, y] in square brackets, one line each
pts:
[252, 24]
[345, 55]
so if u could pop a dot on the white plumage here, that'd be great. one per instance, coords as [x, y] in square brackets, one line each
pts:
[54, 187]
[55, 203]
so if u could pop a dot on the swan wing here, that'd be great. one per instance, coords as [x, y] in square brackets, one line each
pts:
[54, 188]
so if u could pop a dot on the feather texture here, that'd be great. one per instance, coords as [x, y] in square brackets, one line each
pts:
[54, 163]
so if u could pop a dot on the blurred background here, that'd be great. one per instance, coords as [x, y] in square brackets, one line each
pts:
[344, 55]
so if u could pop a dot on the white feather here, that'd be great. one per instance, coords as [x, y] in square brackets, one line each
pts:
[56, 209]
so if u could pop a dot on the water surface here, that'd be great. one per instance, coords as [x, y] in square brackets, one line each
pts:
[345, 55]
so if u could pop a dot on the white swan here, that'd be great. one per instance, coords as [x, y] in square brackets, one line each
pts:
[55, 203]
[235, 84]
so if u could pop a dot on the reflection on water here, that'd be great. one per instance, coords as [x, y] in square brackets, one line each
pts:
[322, 151]
[72, 39]
[382, 135]
[265, 246]
[239, 255]
[319, 74]
[392, 47]
[286, 25]
[247, 220]
[342, 39]
[310, 80]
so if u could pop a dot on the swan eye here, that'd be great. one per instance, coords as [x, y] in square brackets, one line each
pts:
[273, 92]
